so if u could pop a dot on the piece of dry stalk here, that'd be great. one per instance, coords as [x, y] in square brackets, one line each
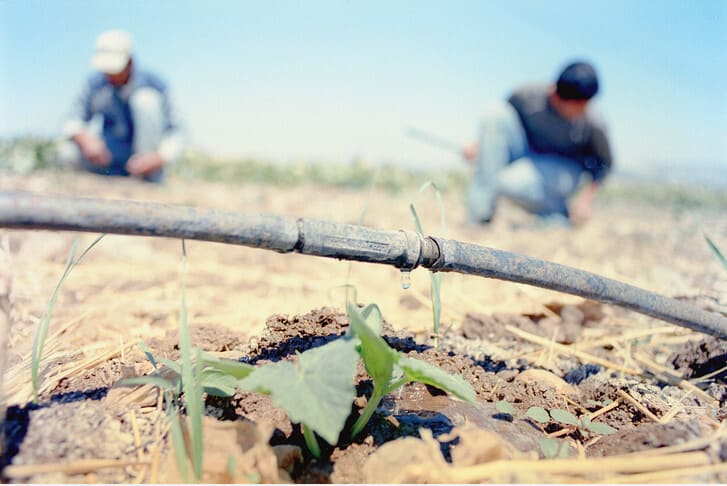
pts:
[5, 323]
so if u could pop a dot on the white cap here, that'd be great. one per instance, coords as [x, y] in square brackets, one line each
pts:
[113, 51]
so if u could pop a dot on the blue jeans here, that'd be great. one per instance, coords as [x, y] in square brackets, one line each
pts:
[539, 183]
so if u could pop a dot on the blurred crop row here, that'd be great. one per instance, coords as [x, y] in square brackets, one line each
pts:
[23, 155]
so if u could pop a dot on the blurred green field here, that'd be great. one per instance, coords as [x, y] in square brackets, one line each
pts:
[23, 155]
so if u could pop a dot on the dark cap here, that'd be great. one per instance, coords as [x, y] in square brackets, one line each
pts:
[578, 81]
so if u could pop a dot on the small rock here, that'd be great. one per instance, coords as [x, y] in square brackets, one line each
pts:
[577, 375]
[547, 378]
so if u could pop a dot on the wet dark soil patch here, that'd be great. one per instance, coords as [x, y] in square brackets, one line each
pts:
[416, 406]
[701, 358]
[76, 428]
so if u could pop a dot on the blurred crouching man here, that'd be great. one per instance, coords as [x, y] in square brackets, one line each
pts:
[123, 123]
[535, 149]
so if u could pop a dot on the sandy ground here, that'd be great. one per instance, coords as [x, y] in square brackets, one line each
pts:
[128, 288]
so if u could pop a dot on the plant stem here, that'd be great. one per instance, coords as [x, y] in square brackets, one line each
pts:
[402, 381]
[311, 441]
[368, 411]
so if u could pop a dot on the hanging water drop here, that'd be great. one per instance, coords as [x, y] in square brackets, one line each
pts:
[405, 279]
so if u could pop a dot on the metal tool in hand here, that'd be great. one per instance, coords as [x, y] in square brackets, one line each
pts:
[434, 140]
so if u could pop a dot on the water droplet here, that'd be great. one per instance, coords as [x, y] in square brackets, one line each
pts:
[405, 279]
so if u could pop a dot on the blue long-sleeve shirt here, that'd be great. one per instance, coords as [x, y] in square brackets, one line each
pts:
[99, 98]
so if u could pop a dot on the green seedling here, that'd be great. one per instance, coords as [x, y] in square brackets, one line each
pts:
[215, 376]
[538, 414]
[551, 447]
[584, 424]
[197, 372]
[722, 259]
[191, 377]
[435, 278]
[321, 400]
[554, 448]
[178, 442]
[44, 323]
[362, 218]
[317, 391]
[390, 369]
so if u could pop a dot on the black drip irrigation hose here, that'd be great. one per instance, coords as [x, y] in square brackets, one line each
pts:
[402, 249]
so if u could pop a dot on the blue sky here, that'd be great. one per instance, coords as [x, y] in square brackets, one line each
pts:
[330, 80]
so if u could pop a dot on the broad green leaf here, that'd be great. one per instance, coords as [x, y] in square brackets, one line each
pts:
[378, 357]
[424, 372]
[505, 407]
[230, 367]
[550, 447]
[218, 383]
[564, 451]
[317, 391]
[373, 318]
[538, 414]
[564, 417]
[598, 427]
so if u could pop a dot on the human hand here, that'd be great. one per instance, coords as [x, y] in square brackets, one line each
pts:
[471, 151]
[580, 212]
[93, 149]
[582, 206]
[144, 164]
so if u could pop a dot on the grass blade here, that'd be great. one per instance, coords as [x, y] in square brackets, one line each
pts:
[180, 449]
[88, 248]
[44, 323]
[417, 221]
[147, 352]
[716, 251]
[435, 279]
[42, 331]
[157, 381]
[190, 381]
[361, 219]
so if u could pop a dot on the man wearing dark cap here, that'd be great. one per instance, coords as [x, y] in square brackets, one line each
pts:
[539, 147]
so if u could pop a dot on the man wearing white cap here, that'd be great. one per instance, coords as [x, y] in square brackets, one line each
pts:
[123, 123]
